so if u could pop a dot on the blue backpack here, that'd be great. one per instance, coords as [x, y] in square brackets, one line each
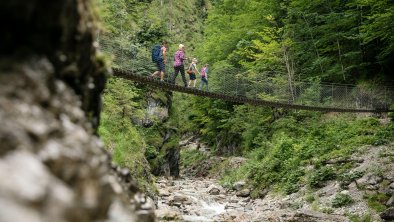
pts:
[156, 53]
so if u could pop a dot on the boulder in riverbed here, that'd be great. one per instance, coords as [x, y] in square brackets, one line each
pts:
[239, 185]
[168, 215]
[243, 193]
[214, 191]
[388, 214]
[178, 200]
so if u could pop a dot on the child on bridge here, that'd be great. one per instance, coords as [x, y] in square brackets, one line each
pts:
[204, 76]
[192, 70]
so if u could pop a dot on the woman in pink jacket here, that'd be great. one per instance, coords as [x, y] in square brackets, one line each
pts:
[178, 64]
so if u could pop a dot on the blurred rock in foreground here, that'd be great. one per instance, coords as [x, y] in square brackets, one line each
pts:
[52, 167]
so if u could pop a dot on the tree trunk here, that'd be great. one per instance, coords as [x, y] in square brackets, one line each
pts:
[290, 71]
[340, 59]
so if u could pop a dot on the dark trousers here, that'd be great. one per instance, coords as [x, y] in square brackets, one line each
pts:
[204, 81]
[180, 69]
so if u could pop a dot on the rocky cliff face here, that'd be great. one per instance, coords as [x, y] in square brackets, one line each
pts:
[159, 116]
[52, 167]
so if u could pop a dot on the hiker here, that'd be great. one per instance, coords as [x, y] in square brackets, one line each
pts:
[204, 76]
[159, 57]
[178, 64]
[192, 70]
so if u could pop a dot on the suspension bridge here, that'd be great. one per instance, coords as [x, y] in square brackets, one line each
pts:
[135, 64]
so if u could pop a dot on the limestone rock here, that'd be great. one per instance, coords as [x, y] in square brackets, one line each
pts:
[234, 200]
[156, 111]
[214, 191]
[168, 215]
[178, 200]
[388, 214]
[230, 206]
[390, 201]
[164, 193]
[369, 180]
[263, 193]
[246, 200]
[239, 185]
[243, 193]
[315, 217]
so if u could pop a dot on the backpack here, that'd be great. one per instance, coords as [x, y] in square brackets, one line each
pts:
[190, 69]
[156, 53]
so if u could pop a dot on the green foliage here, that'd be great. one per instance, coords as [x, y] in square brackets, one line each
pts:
[278, 42]
[384, 136]
[279, 151]
[391, 114]
[123, 98]
[296, 205]
[120, 136]
[376, 201]
[230, 176]
[204, 115]
[332, 41]
[291, 183]
[347, 178]
[151, 153]
[310, 198]
[376, 28]
[220, 168]
[130, 28]
[311, 95]
[318, 177]
[362, 218]
[263, 42]
[341, 200]
[327, 210]
[192, 158]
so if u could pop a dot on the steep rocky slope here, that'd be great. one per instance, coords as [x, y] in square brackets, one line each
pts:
[365, 193]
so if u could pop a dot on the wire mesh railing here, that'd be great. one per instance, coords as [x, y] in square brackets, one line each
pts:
[135, 60]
